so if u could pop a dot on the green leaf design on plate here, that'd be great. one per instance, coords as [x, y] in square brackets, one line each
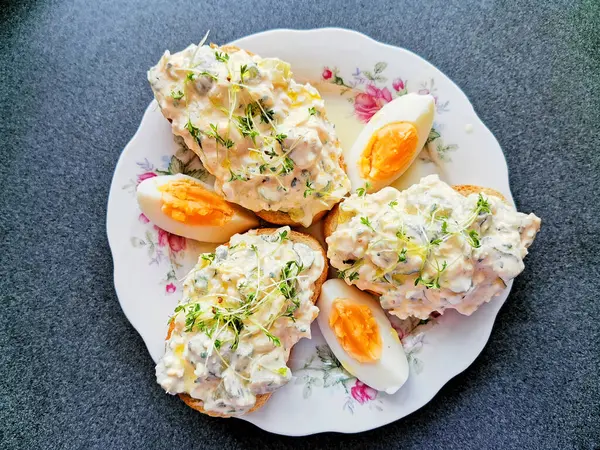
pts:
[335, 376]
[380, 67]
[137, 242]
[433, 135]
[326, 356]
[176, 165]
[200, 174]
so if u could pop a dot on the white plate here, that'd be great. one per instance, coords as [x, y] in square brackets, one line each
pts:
[322, 397]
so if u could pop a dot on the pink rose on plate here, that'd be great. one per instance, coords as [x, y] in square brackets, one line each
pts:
[142, 218]
[362, 393]
[327, 74]
[170, 288]
[398, 84]
[367, 103]
[176, 243]
[145, 176]
[163, 236]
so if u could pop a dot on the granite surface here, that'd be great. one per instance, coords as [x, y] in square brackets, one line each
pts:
[73, 371]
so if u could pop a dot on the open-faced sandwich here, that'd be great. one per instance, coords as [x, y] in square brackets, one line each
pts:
[243, 309]
[430, 247]
[264, 137]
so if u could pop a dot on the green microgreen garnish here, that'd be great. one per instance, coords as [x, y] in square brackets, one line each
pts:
[214, 133]
[236, 176]
[243, 71]
[177, 95]
[362, 191]
[445, 226]
[246, 126]
[191, 76]
[194, 131]
[402, 255]
[366, 222]
[353, 276]
[210, 257]
[473, 239]
[435, 282]
[223, 57]
[312, 111]
[275, 340]
[267, 115]
[280, 138]
[287, 165]
[483, 206]
[309, 188]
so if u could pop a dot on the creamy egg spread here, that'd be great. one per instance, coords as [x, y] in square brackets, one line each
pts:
[243, 309]
[429, 248]
[264, 137]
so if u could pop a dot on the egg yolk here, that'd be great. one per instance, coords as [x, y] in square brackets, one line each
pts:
[190, 203]
[390, 151]
[356, 330]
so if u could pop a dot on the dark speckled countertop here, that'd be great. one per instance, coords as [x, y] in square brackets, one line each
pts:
[73, 371]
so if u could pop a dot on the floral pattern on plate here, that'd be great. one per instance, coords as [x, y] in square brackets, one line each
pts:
[164, 247]
[322, 370]
[183, 161]
[368, 92]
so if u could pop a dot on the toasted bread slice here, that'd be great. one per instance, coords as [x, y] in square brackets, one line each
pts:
[261, 399]
[331, 221]
[282, 218]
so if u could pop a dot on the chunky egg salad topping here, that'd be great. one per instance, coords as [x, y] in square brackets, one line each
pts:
[243, 308]
[264, 137]
[429, 248]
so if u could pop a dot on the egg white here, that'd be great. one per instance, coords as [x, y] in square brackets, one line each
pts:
[391, 371]
[150, 201]
[413, 108]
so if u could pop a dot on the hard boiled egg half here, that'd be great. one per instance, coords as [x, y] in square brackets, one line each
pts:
[187, 207]
[361, 337]
[390, 142]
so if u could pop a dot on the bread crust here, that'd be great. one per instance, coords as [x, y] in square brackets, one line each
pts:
[331, 221]
[261, 399]
[468, 189]
[282, 218]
